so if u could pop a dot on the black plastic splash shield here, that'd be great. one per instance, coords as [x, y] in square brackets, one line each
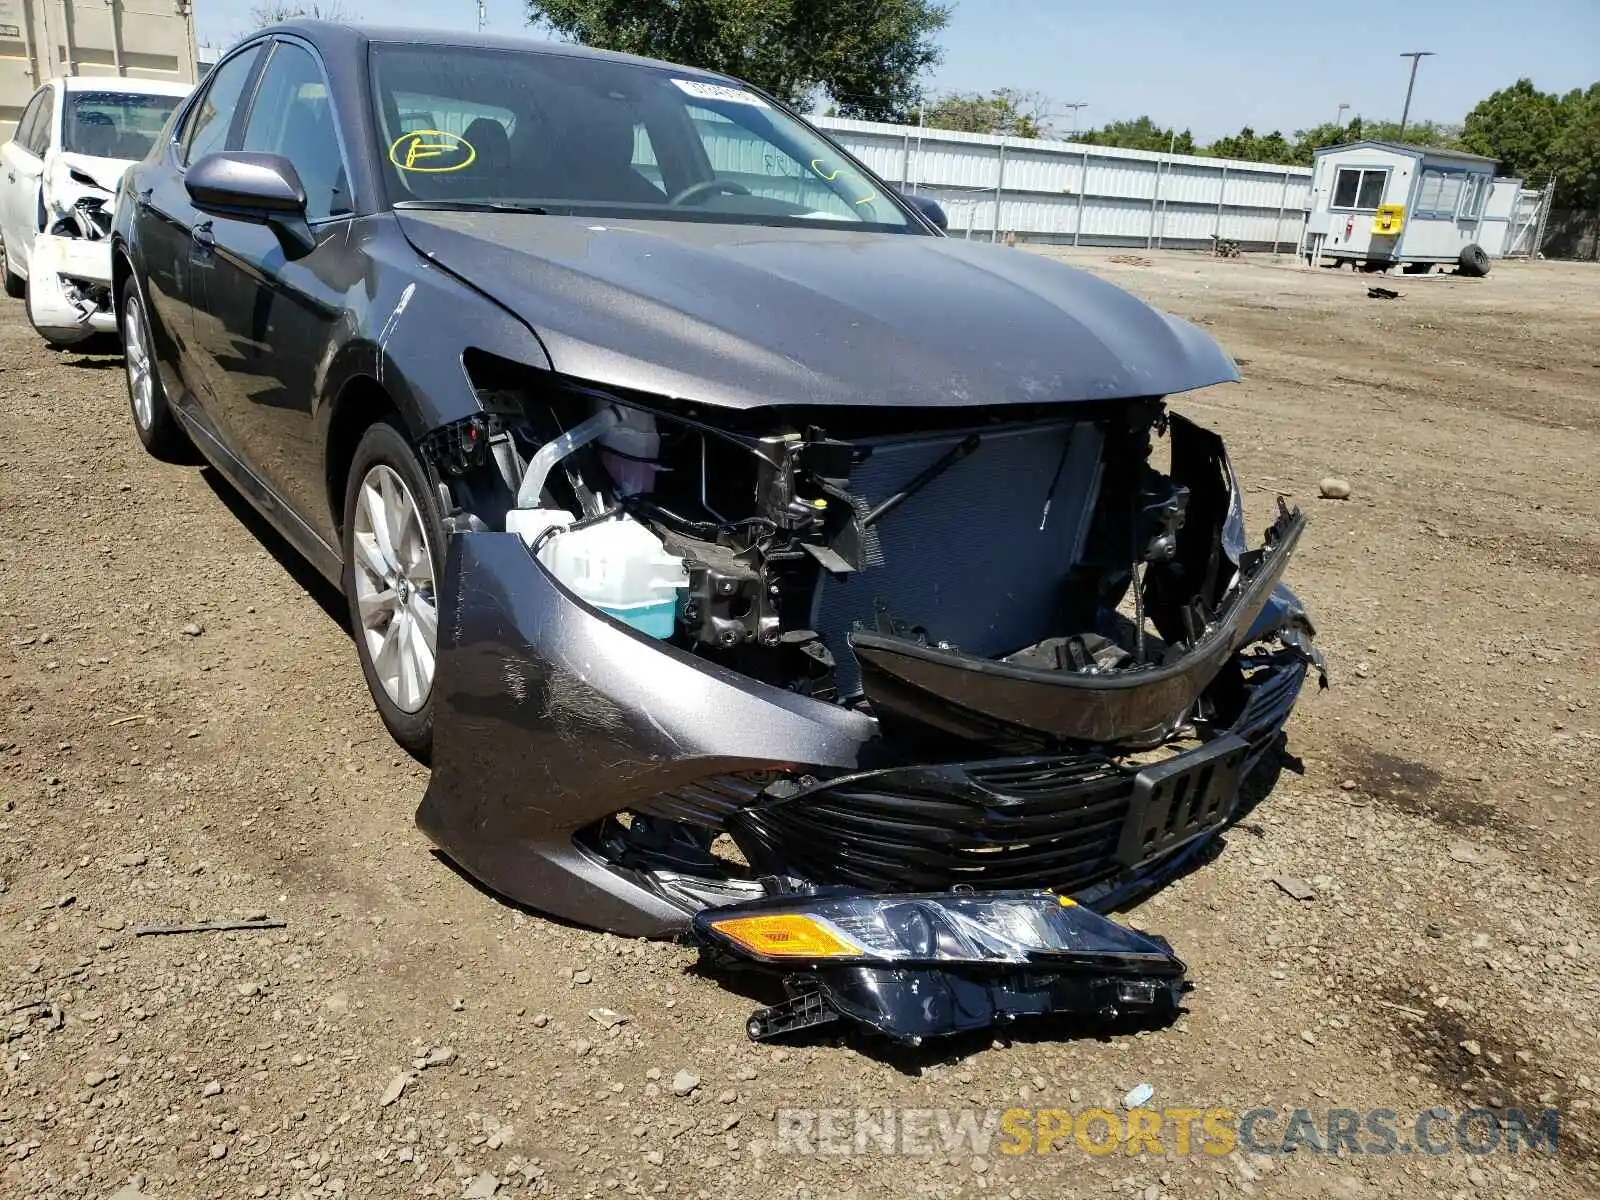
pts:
[980, 699]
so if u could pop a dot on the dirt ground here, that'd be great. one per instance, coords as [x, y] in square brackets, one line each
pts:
[1445, 819]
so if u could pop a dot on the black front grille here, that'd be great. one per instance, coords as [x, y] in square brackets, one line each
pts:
[1042, 821]
[1002, 823]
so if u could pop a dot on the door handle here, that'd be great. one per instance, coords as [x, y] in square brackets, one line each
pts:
[202, 235]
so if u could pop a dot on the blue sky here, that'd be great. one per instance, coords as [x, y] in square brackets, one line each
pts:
[1210, 67]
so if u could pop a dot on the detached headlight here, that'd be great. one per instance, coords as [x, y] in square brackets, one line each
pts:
[998, 928]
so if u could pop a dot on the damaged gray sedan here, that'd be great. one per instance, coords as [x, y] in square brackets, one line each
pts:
[751, 561]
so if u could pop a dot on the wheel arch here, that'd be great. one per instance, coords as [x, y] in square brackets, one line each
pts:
[121, 272]
[361, 403]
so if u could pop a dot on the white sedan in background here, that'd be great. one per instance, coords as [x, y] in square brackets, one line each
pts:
[58, 178]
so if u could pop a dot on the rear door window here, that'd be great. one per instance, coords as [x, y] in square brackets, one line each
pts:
[212, 117]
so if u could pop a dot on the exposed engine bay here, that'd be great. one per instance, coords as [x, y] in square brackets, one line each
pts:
[69, 267]
[770, 659]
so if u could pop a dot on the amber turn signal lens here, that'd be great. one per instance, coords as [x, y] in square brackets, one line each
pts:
[786, 935]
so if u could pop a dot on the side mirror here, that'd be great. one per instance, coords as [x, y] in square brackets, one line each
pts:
[929, 208]
[251, 186]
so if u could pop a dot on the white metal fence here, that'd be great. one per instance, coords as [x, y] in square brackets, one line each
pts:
[1066, 192]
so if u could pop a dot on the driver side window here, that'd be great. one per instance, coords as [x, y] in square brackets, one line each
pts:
[33, 133]
[292, 115]
[23, 134]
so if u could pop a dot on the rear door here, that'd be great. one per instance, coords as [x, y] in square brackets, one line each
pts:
[265, 316]
[166, 222]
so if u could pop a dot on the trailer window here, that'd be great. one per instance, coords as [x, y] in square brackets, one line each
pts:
[1440, 194]
[1359, 188]
[1472, 199]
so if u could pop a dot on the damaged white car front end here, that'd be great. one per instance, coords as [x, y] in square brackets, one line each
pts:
[69, 268]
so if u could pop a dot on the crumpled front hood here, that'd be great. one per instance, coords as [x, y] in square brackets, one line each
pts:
[105, 173]
[749, 316]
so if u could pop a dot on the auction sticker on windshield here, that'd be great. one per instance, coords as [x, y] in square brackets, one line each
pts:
[431, 150]
[701, 90]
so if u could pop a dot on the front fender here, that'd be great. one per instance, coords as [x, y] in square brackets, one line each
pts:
[409, 324]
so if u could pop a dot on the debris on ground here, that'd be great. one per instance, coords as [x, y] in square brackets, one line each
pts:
[1139, 1096]
[1293, 887]
[210, 927]
[1382, 293]
[395, 1090]
[684, 1082]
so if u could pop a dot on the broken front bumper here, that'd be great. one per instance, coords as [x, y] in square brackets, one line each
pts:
[69, 282]
[554, 723]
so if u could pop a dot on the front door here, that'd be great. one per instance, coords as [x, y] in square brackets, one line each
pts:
[23, 160]
[266, 310]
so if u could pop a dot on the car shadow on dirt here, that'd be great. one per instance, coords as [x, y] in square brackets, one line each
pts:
[328, 597]
[91, 360]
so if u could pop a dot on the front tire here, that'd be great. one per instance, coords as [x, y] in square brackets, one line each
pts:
[393, 557]
[153, 421]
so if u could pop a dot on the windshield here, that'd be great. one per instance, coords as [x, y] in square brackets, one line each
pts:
[573, 134]
[114, 124]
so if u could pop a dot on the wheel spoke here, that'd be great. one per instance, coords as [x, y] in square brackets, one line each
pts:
[384, 661]
[377, 604]
[377, 512]
[410, 684]
[421, 660]
[426, 617]
[369, 556]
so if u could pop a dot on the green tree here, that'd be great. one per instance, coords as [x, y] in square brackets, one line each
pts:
[1248, 144]
[1517, 125]
[1308, 141]
[1139, 134]
[1575, 152]
[1417, 133]
[1005, 110]
[867, 55]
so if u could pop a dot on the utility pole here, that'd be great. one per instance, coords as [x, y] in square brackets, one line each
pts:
[483, 14]
[1339, 117]
[1416, 56]
[1075, 106]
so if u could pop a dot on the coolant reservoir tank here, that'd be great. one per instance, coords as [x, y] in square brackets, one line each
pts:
[617, 566]
[629, 451]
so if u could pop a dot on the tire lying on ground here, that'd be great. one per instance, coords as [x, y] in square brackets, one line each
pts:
[1473, 261]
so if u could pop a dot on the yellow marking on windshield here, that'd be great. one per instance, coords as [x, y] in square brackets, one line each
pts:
[415, 151]
[816, 165]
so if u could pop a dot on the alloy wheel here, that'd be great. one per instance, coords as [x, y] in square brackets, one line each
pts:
[136, 356]
[394, 587]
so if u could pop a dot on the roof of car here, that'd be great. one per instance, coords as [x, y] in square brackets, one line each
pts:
[330, 35]
[123, 83]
